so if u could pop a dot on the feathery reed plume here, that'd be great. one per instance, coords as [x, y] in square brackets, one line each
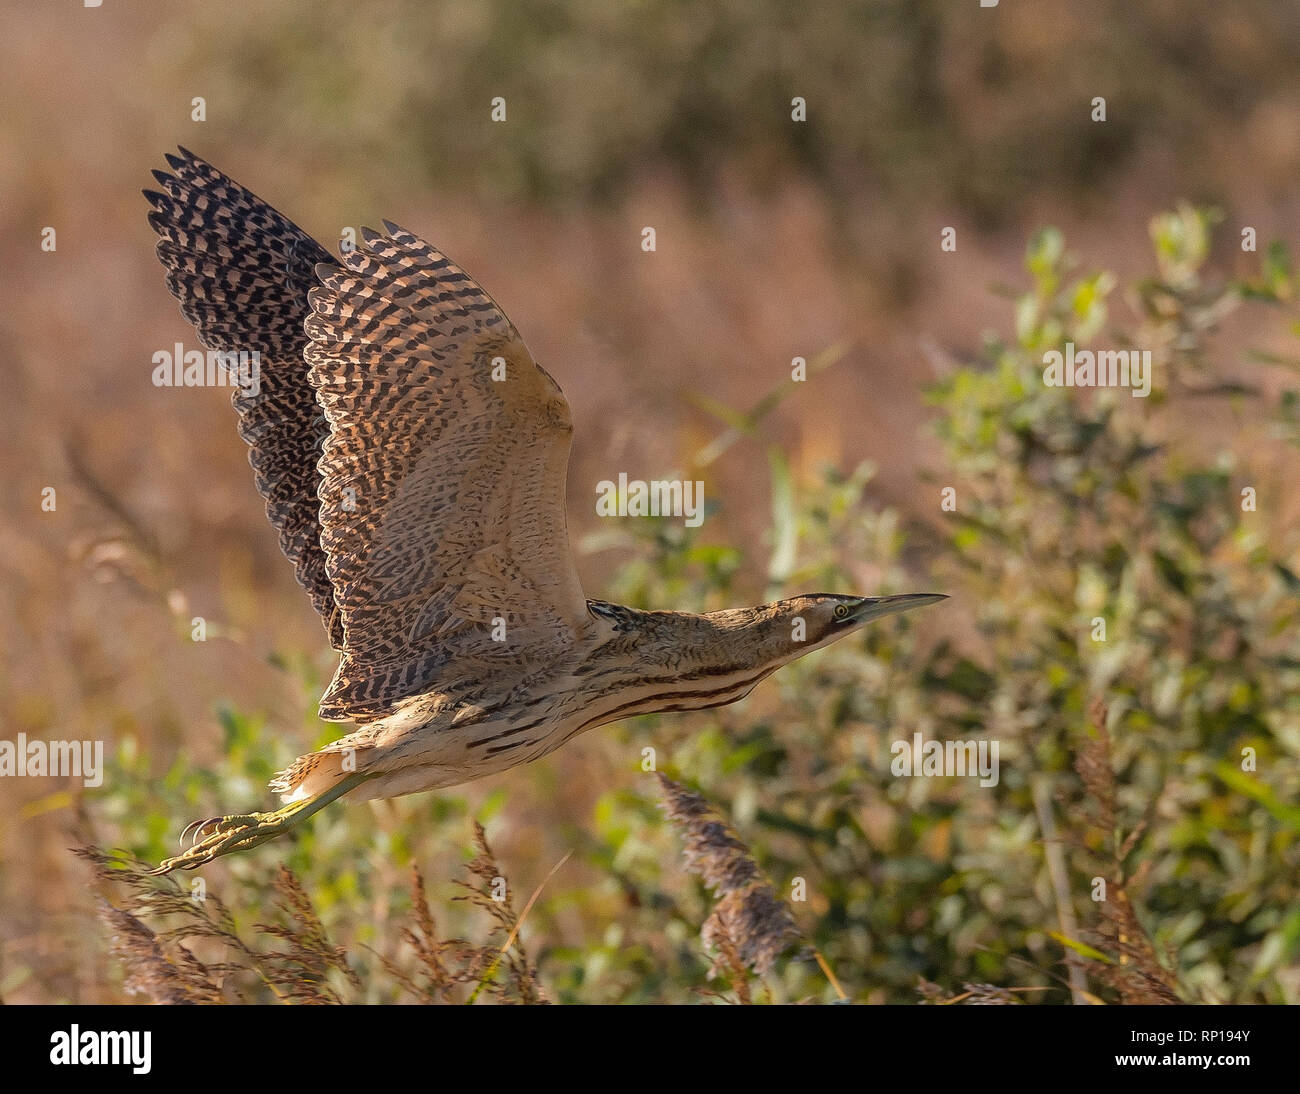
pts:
[307, 966]
[1137, 975]
[431, 953]
[750, 926]
[521, 984]
[296, 974]
[203, 921]
[301, 971]
[444, 965]
[149, 970]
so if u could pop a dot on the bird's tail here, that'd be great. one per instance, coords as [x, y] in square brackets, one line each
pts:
[315, 773]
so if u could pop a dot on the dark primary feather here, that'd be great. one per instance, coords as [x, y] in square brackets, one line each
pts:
[242, 272]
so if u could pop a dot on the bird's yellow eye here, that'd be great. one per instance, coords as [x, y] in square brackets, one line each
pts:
[841, 610]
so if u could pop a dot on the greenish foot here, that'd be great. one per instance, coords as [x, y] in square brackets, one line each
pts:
[242, 831]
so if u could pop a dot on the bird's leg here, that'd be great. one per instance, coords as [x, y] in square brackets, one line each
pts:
[239, 832]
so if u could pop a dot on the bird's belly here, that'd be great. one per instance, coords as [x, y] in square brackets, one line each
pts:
[439, 754]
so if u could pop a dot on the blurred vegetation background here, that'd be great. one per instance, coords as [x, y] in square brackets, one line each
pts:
[775, 239]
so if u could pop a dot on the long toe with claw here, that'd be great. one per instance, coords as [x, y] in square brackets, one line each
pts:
[226, 834]
[222, 835]
[197, 828]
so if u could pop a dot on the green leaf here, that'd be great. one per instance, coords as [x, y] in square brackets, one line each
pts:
[1242, 783]
[1081, 948]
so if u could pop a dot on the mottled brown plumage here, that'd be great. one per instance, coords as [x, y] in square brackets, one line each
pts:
[412, 455]
[242, 272]
[442, 492]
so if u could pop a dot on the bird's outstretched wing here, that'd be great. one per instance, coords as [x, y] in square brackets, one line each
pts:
[442, 480]
[242, 272]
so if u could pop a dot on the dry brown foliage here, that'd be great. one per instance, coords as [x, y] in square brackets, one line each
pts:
[305, 966]
[750, 926]
[1137, 974]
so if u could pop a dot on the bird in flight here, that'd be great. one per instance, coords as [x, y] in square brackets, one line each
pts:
[412, 456]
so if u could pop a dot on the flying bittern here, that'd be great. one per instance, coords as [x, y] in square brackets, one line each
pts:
[412, 455]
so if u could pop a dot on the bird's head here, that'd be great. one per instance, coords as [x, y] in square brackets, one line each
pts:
[805, 623]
